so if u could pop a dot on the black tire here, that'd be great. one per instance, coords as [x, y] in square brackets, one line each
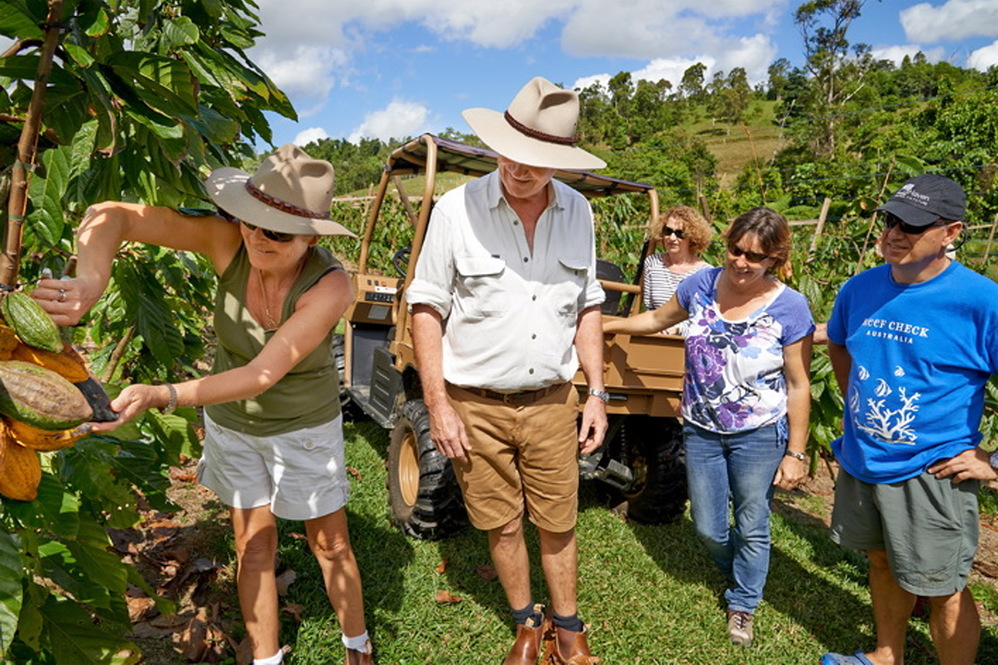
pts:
[653, 449]
[423, 495]
[347, 406]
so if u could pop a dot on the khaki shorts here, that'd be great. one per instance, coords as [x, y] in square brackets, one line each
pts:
[927, 526]
[300, 474]
[521, 455]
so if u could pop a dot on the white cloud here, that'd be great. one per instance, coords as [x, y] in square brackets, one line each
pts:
[306, 73]
[310, 135]
[897, 54]
[951, 21]
[586, 81]
[984, 58]
[671, 69]
[399, 119]
[753, 54]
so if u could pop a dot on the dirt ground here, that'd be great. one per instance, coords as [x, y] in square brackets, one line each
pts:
[174, 554]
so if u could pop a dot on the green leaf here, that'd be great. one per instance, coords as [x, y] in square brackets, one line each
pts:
[163, 83]
[79, 54]
[95, 23]
[11, 574]
[59, 561]
[180, 31]
[74, 637]
[56, 510]
[47, 194]
[16, 21]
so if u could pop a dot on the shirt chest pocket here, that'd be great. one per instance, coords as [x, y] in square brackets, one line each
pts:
[573, 277]
[480, 289]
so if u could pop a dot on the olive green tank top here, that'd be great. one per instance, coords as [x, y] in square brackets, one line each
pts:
[306, 396]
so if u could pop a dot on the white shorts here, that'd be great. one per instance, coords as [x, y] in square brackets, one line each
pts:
[301, 474]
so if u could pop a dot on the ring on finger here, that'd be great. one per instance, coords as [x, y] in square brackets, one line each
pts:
[62, 295]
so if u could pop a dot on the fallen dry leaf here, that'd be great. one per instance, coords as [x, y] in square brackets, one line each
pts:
[442, 568]
[444, 597]
[295, 610]
[355, 473]
[140, 608]
[297, 536]
[486, 572]
[285, 580]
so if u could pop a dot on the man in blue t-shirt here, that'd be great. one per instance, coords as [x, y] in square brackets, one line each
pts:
[913, 343]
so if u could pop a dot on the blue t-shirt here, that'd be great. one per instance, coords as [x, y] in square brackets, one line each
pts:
[921, 354]
[734, 379]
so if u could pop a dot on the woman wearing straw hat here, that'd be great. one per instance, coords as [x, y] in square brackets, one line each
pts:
[273, 432]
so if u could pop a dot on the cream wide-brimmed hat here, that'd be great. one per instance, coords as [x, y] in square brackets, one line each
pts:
[289, 193]
[538, 128]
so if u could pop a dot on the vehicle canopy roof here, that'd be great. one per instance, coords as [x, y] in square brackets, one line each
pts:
[474, 161]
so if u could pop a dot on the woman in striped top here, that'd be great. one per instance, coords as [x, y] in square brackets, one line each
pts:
[683, 234]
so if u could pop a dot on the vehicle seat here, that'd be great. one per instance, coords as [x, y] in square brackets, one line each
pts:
[610, 272]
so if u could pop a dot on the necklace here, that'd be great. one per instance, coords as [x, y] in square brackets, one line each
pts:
[271, 322]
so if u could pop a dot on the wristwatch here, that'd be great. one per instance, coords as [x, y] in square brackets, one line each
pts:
[602, 394]
[801, 456]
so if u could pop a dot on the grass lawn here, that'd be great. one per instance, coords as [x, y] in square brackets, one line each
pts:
[650, 592]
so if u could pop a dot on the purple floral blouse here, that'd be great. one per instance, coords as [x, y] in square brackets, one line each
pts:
[734, 369]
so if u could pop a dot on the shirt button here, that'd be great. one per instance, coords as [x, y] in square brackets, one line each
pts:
[530, 371]
[534, 336]
[516, 222]
[533, 297]
[525, 259]
[308, 445]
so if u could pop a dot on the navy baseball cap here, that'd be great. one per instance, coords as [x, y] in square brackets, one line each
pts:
[928, 197]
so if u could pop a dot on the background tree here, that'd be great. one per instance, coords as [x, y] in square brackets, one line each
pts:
[143, 97]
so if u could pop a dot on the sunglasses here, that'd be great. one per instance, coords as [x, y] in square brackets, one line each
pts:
[666, 232]
[276, 236]
[754, 257]
[891, 220]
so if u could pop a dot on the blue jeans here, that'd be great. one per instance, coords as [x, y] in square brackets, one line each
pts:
[738, 468]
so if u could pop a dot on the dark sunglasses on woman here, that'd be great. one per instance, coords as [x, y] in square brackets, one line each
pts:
[754, 257]
[276, 236]
[891, 220]
[666, 232]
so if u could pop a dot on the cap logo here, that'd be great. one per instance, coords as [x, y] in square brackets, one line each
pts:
[908, 192]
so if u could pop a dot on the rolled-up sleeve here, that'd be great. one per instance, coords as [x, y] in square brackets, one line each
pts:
[433, 282]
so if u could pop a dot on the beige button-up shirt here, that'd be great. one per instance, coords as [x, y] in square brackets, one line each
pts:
[509, 314]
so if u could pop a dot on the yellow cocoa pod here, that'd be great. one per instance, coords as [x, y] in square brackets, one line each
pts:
[20, 470]
[44, 440]
[8, 341]
[68, 365]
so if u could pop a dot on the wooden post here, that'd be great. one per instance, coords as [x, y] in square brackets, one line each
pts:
[821, 227]
[991, 239]
[17, 202]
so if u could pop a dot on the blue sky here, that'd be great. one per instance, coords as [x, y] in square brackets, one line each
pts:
[393, 68]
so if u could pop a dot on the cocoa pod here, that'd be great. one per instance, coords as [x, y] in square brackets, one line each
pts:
[20, 470]
[65, 365]
[40, 397]
[31, 323]
[44, 440]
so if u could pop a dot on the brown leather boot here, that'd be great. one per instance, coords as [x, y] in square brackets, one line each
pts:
[565, 647]
[527, 645]
[355, 657]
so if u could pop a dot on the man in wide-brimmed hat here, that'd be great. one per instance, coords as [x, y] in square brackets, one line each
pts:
[505, 308]
[913, 344]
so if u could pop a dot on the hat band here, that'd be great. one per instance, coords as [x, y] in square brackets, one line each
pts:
[540, 136]
[283, 206]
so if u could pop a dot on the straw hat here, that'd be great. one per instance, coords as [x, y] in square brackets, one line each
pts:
[538, 129]
[289, 193]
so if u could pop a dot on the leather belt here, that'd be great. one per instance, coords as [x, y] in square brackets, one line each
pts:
[522, 397]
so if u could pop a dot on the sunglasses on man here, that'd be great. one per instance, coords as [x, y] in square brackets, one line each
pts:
[753, 257]
[276, 236]
[891, 220]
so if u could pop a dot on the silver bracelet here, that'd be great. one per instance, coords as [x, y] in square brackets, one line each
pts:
[171, 403]
[801, 456]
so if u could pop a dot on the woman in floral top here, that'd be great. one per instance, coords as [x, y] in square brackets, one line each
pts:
[746, 399]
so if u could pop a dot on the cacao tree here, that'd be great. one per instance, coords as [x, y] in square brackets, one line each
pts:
[141, 99]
